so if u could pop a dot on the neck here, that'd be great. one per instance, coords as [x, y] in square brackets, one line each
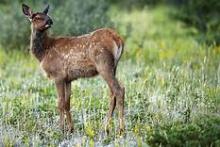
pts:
[39, 43]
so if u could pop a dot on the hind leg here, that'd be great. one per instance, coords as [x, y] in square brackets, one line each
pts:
[112, 105]
[106, 68]
[117, 98]
[120, 105]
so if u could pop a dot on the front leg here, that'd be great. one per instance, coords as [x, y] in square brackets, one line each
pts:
[60, 87]
[67, 106]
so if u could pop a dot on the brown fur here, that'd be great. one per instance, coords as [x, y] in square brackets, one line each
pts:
[65, 59]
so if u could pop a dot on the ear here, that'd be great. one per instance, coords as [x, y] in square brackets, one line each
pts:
[46, 9]
[27, 11]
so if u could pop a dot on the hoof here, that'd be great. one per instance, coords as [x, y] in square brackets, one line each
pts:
[121, 132]
[107, 130]
[71, 130]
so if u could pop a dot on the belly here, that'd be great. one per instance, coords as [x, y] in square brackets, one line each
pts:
[69, 66]
[81, 70]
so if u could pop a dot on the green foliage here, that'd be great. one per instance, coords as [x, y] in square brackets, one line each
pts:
[150, 37]
[204, 131]
[79, 17]
[204, 15]
[201, 14]
[70, 18]
[130, 4]
[14, 29]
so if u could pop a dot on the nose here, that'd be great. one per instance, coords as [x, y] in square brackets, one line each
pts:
[50, 22]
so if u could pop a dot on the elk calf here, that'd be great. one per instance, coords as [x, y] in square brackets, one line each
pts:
[65, 59]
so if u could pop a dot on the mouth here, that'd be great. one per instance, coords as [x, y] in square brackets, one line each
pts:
[49, 23]
[47, 26]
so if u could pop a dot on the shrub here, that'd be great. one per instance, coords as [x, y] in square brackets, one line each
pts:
[77, 17]
[14, 28]
[203, 131]
[204, 16]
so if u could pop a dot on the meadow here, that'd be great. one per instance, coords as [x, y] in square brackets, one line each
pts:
[172, 84]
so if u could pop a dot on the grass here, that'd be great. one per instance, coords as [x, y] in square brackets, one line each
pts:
[171, 81]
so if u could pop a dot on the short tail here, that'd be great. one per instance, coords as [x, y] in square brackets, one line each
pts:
[118, 50]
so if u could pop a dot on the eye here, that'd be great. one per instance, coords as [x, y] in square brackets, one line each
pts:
[38, 18]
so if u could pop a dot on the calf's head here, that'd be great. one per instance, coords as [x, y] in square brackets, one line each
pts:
[39, 20]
